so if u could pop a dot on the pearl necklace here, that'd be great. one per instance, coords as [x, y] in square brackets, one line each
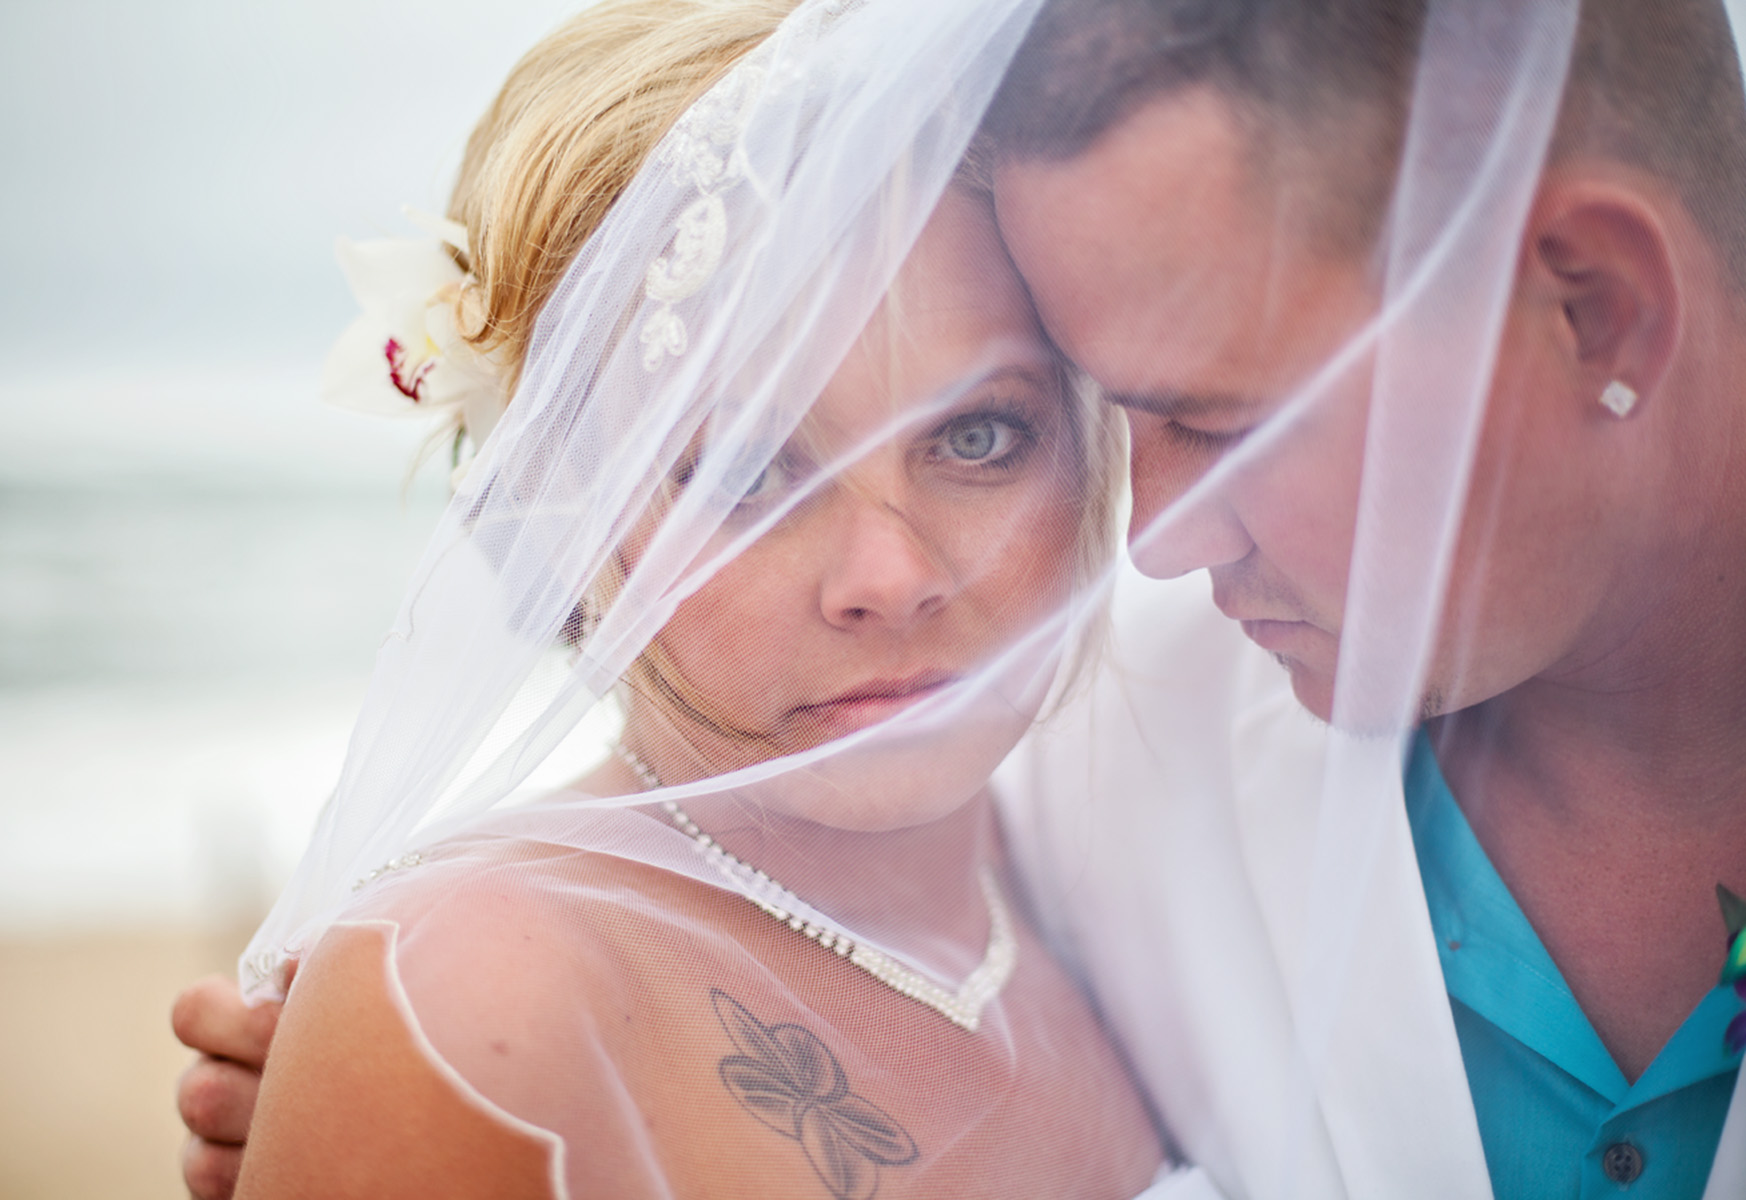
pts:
[962, 1007]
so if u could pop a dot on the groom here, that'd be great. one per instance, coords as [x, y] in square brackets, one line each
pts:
[1199, 222]
[1199, 219]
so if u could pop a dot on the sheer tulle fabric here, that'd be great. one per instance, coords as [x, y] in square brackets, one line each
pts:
[707, 1014]
[681, 363]
[703, 318]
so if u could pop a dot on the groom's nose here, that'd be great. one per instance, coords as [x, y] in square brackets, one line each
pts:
[1188, 538]
[1168, 534]
[1168, 541]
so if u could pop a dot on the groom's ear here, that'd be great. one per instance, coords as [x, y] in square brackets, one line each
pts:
[1600, 259]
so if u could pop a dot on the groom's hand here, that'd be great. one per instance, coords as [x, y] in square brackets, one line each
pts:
[216, 1095]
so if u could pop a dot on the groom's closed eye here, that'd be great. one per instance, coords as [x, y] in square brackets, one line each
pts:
[1213, 408]
[1210, 421]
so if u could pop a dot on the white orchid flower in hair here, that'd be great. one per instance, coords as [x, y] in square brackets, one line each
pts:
[404, 354]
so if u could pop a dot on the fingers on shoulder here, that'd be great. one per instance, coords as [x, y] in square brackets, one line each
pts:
[211, 1016]
[209, 1171]
[216, 1100]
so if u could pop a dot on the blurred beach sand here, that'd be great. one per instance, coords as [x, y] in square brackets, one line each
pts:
[88, 1065]
[179, 669]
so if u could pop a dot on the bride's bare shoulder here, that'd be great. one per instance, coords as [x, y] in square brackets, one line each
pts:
[352, 1104]
[465, 1008]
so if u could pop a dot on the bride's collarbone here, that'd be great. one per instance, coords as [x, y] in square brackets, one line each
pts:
[766, 1064]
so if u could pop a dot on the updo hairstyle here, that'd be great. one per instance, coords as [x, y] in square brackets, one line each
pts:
[574, 122]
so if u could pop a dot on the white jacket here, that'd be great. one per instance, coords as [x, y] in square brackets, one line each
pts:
[1165, 821]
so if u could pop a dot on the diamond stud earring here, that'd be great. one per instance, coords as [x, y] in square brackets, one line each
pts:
[1619, 398]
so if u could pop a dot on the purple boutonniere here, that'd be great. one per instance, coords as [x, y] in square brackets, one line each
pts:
[1734, 968]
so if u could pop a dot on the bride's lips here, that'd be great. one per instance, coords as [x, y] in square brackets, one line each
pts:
[872, 701]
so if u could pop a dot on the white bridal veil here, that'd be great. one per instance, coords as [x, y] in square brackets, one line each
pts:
[679, 439]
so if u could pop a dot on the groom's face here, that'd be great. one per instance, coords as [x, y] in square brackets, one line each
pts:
[1201, 292]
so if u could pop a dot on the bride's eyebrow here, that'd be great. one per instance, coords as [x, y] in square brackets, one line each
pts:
[1041, 374]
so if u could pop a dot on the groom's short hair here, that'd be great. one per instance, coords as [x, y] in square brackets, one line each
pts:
[1653, 83]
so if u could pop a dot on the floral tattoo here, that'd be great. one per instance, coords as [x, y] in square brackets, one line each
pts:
[788, 1079]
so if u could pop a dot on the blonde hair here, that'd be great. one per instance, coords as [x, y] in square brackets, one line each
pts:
[570, 129]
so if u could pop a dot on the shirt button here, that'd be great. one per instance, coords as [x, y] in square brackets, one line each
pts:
[1622, 1162]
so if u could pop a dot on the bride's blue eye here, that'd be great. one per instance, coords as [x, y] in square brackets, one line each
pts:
[770, 482]
[983, 440]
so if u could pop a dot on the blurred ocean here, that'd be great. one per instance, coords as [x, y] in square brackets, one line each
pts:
[197, 558]
[195, 570]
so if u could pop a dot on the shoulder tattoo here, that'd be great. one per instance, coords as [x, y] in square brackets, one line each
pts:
[785, 1076]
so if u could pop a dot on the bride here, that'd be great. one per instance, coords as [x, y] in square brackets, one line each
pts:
[793, 477]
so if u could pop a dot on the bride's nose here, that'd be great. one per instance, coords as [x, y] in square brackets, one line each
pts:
[881, 571]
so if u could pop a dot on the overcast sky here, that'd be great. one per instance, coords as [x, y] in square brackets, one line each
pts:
[172, 178]
[172, 174]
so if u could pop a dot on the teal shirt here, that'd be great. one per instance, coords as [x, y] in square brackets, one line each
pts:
[1555, 1114]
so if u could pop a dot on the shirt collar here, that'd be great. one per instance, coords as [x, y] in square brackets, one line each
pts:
[1495, 964]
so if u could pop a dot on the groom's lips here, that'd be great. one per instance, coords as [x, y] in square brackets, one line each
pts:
[1277, 633]
[1277, 637]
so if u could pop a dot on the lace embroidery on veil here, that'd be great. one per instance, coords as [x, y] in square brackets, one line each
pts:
[704, 151]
